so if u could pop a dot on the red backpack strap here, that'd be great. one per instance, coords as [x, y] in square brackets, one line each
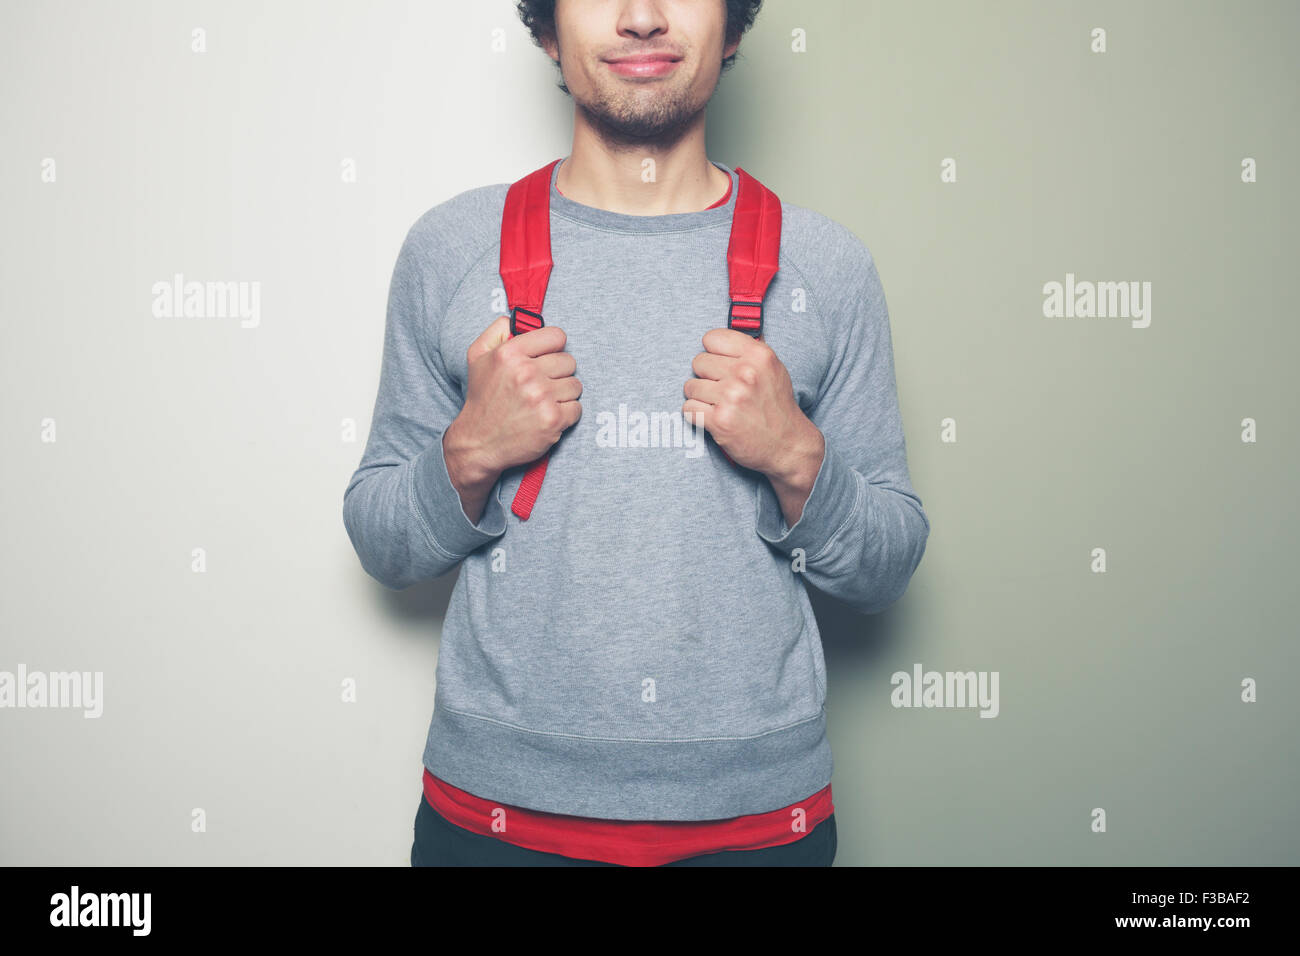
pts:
[753, 257]
[753, 254]
[526, 248]
[525, 271]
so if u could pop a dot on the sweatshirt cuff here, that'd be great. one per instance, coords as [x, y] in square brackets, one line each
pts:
[829, 508]
[439, 510]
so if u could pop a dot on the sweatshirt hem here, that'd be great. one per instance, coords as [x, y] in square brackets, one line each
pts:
[624, 779]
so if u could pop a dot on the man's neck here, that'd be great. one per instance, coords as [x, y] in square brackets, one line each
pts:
[680, 179]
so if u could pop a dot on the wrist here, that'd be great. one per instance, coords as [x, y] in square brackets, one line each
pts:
[468, 463]
[800, 459]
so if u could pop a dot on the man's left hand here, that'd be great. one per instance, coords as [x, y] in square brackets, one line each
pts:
[744, 398]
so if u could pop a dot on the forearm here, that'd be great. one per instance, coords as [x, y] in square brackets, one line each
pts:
[792, 477]
[472, 473]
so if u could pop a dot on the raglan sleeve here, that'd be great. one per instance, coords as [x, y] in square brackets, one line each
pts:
[401, 511]
[863, 529]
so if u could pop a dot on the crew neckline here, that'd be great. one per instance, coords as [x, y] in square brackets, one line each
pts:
[562, 205]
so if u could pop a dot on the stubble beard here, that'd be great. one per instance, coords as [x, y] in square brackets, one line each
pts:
[636, 118]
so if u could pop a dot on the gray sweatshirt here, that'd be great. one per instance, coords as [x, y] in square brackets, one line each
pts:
[643, 646]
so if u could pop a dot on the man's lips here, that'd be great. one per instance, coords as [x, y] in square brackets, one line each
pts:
[649, 64]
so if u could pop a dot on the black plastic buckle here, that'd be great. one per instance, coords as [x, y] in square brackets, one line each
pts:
[517, 328]
[732, 318]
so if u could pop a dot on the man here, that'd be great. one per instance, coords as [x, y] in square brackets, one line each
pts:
[634, 675]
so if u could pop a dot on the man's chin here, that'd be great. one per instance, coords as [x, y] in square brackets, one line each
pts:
[640, 126]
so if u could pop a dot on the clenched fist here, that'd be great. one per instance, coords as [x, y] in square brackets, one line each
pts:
[743, 397]
[520, 397]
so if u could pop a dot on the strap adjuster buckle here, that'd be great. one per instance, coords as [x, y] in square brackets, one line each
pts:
[528, 324]
[749, 319]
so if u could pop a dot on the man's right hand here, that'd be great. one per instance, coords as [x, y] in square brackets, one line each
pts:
[520, 397]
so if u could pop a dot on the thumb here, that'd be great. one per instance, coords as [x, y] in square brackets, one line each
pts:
[496, 334]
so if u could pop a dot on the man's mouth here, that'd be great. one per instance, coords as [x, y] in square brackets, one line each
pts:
[644, 64]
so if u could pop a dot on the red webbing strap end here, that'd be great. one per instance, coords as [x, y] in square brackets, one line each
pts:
[526, 496]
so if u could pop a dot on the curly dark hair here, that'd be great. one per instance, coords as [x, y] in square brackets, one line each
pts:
[539, 18]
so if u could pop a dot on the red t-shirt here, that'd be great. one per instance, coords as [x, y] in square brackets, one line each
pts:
[626, 842]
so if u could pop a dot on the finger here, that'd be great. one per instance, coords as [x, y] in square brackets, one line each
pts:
[556, 364]
[565, 389]
[726, 342]
[704, 390]
[549, 338]
[570, 412]
[708, 365]
[696, 413]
